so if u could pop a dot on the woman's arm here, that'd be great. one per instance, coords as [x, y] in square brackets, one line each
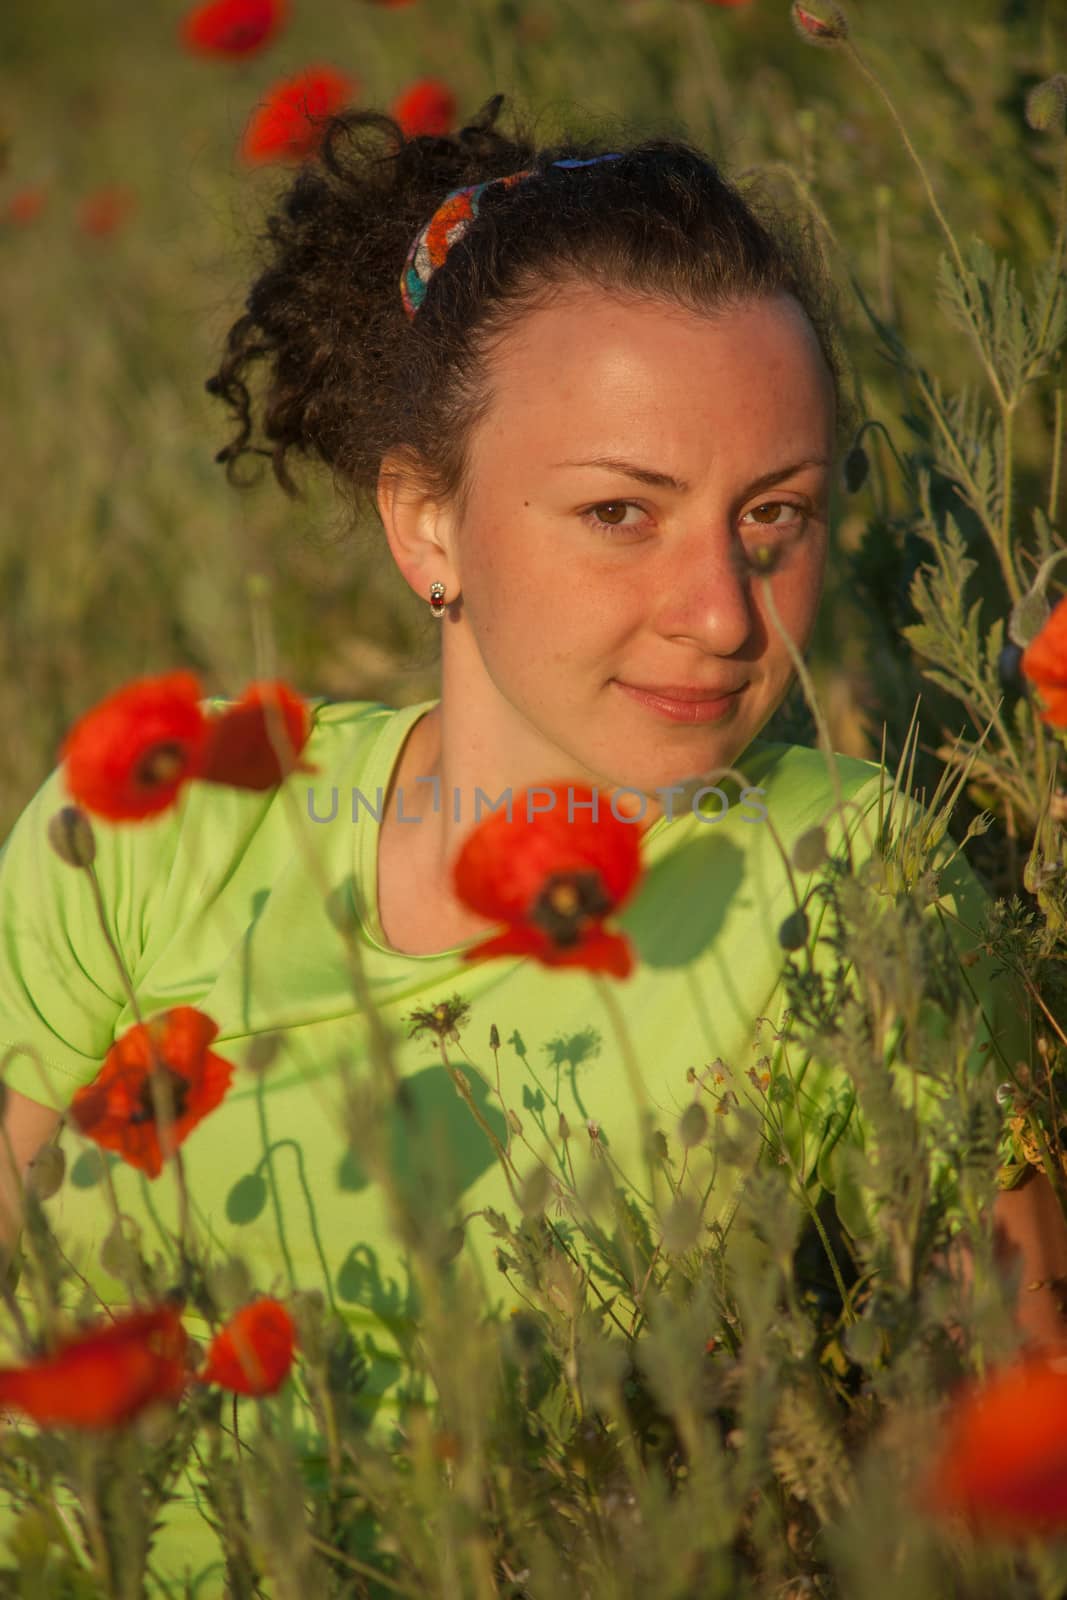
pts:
[1029, 1233]
[28, 1125]
[1028, 1224]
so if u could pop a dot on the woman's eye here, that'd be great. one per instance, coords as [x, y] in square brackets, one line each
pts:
[777, 505]
[764, 557]
[593, 518]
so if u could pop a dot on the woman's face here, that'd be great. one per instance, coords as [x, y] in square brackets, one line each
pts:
[557, 612]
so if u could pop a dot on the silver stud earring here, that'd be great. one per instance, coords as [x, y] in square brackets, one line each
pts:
[437, 599]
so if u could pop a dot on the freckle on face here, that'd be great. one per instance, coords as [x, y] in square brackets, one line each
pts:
[555, 611]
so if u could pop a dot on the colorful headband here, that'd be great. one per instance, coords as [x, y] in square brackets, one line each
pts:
[448, 225]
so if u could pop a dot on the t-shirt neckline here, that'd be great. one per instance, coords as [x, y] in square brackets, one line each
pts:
[384, 758]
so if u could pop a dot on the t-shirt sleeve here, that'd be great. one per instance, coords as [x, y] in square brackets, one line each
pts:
[828, 1122]
[60, 987]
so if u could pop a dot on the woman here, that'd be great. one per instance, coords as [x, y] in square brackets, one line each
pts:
[590, 428]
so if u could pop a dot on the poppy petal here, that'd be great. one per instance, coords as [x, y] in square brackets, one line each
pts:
[105, 1376]
[290, 123]
[427, 107]
[233, 28]
[503, 865]
[239, 745]
[129, 756]
[117, 1110]
[1003, 1460]
[252, 1354]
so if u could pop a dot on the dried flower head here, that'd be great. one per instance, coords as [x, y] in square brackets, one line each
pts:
[816, 30]
[443, 1020]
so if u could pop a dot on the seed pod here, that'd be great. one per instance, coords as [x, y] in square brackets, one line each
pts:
[1046, 104]
[855, 470]
[693, 1124]
[262, 1051]
[536, 1191]
[46, 1171]
[70, 834]
[793, 933]
[809, 851]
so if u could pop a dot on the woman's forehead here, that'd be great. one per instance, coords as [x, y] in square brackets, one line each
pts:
[596, 377]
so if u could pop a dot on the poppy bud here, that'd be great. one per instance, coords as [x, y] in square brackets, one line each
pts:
[526, 1335]
[793, 933]
[70, 834]
[494, 1038]
[855, 469]
[1046, 103]
[809, 851]
[262, 1051]
[564, 1127]
[1028, 617]
[451, 1247]
[536, 1191]
[1008, 673]
[693, 1124]
[514, 1121]
[45, 1172]
[816, 31]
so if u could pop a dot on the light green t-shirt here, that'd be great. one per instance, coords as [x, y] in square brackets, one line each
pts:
[213, 905]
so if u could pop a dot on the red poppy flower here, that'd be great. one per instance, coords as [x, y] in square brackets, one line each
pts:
[1044, 661]
[1003, 1461]
[117, 1110]
[128, 757]
[254, 1351]
[25, 206]
[552, 880]
[105, 210]
[103, 1377]
[429, 106]
[238, 748]
[290, 123]
[233, 28]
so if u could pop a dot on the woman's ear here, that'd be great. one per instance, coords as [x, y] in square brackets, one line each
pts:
[416, 526]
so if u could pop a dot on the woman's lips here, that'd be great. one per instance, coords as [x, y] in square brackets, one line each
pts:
[683, 710]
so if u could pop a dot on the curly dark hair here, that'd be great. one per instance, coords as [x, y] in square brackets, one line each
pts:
[349, 380]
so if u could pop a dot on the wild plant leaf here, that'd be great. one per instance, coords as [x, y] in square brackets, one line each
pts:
[806, 1448]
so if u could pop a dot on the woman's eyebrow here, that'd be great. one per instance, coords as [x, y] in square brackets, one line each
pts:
[663, 480]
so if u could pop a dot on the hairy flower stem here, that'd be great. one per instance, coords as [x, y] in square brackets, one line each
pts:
[1057, 452]
[637, 1083]
[875, 83]
[379, 1043]
[464, 1091]
[159, 1083]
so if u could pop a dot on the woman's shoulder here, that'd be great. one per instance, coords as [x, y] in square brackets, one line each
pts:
[801, 788]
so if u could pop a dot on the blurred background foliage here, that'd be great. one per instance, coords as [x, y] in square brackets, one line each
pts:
[123, 551]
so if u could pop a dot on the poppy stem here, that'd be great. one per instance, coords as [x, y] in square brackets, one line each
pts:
[464, 1092]
[637, 1083]
[101, 915]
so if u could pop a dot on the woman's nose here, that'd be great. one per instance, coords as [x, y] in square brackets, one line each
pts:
[704, 593]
